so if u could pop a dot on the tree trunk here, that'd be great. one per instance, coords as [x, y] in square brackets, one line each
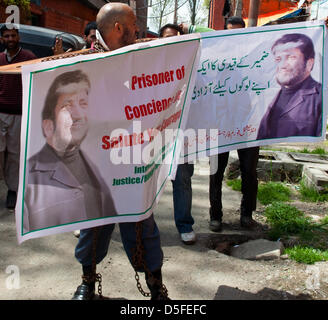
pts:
[238, 8]
[175, 18]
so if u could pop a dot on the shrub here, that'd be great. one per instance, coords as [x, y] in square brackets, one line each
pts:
[306, 255]
[285, 219]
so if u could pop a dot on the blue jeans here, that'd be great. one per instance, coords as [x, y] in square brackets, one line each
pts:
[150, 240]
[182, 198]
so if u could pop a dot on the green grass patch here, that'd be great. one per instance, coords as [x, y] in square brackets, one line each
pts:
[272, 192]
[310, 194]
[234, 184]
[278, 149]
[312, 238]
[285, 219]
[324, 220]
[306, 254]
[318, 150]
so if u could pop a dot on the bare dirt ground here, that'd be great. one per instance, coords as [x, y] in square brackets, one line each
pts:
[49, 271]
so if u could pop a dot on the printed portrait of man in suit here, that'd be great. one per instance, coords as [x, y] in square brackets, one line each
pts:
[297, 108]
[63, 185]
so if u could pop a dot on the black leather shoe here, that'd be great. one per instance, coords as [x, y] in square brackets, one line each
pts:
[84, 292]
[155, 285]
[11, 199]
[215, 225]
[159, 296]
[250, 224]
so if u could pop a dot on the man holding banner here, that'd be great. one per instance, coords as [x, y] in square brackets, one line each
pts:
[248, 158]
[297, 108]
[117, 112]
[117, 28]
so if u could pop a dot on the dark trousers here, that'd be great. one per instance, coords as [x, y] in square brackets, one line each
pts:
[248, 159]
[150, 240]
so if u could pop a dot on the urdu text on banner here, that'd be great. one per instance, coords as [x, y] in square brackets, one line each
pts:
[258, 86]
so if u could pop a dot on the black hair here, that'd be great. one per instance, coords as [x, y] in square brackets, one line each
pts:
[306, 44]
[90, 26]
[62, 80]
[172, 26]
[234, 20]
[4, 28]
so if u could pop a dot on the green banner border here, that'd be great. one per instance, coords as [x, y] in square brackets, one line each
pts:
[28, 125]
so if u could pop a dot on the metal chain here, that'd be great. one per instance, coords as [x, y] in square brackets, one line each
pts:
[139, 262]
[141, 290]
[99, 279]
[94, 277]
[97, 276]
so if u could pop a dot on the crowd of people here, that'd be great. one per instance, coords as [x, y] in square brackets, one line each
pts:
[114, 28]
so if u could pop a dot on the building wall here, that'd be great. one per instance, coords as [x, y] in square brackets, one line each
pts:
[216, 20]
[73, 15]
[68, 16]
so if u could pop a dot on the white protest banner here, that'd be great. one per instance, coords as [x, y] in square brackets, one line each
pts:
[258, 86]
[94, 149]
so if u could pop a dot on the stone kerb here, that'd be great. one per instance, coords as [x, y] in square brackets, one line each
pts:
[272, 166]
[316, 177]
[286, 166]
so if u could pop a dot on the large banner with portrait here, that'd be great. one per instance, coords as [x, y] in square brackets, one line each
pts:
[258, 86]
[99, 132]
[93, 150]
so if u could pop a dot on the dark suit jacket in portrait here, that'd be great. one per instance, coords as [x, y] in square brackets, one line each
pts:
[302, 115]
[53, 196]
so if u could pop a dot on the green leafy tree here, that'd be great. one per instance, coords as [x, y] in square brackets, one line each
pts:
[160, 12]
[207, 3]
[23, 5]
[198, 11]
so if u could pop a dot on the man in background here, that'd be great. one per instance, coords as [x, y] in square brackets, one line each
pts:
[248, 158]
[11, 111]
[89, 38]
[90, 34]
[182, 189]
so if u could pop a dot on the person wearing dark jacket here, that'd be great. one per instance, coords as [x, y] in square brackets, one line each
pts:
[297, 108]
[63, 185]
